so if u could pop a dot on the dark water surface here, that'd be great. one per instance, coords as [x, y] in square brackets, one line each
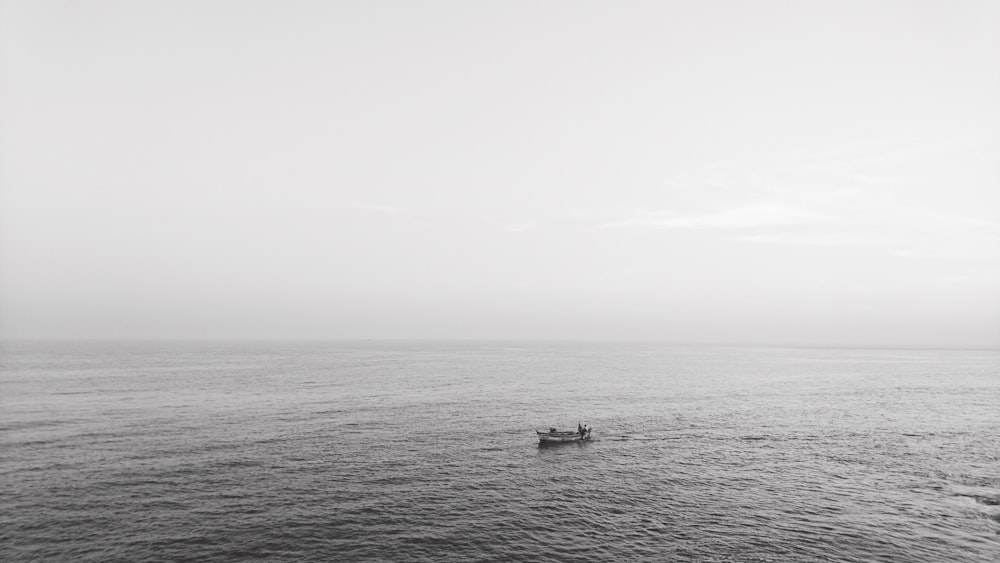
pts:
[426, 452]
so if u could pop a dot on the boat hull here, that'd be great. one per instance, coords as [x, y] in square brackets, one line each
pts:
[554, 438]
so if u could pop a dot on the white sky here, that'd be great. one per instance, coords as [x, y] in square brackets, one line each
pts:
[755, 172]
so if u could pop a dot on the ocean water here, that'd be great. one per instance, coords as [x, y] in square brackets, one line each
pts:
[426, 451]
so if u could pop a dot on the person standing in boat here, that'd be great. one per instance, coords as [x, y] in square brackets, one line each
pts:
[579, 428]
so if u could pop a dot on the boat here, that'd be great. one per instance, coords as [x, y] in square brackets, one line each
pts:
[553, 436]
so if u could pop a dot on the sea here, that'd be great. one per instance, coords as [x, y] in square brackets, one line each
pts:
[427, 451]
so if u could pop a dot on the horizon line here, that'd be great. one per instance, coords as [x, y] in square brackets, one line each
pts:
[657, 341]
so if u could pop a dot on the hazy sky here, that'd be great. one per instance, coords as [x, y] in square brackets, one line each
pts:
[745, 171]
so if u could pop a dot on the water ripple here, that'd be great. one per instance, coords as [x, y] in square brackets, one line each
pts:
[375, 452]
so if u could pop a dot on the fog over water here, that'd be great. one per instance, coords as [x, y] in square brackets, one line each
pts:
[741, 172]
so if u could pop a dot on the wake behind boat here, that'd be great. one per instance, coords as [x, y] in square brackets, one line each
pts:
[554, 436]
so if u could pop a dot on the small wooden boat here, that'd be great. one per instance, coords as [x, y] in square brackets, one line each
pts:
[554, 436]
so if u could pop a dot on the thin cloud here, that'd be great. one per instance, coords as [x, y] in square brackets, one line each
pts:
[751, 216]
[578, 213]
[899, 242]
[384, 209]
[953, 252]
[816, 239]
[872, 180]
[511, 227]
